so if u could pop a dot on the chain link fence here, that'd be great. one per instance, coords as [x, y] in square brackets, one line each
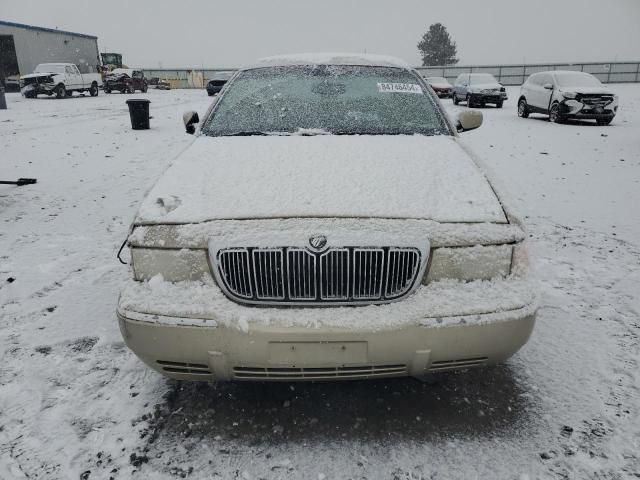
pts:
[187, 78]
[607, 72]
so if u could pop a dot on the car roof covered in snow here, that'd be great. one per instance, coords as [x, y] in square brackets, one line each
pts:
[331, 59]
[567, 72]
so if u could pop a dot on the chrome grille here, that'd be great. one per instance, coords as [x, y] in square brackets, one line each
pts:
[596, 100]
[234, 268]
[403, 264]
[267, 273]
[369, 263]
[301, 274]
[334, 274]
[339, 275]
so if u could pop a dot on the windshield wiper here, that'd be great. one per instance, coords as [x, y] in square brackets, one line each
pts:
[352, 132]
[245, 134]
[388, 132]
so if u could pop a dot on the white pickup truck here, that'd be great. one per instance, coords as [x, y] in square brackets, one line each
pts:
[59, 79]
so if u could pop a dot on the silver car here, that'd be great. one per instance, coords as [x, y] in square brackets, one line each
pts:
[478, 89]
[326, 223]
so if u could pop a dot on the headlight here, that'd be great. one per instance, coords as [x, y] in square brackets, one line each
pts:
[569, 94]
[470, 263]
[174, 265]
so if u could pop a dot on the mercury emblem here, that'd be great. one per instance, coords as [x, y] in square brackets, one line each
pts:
[318, 242]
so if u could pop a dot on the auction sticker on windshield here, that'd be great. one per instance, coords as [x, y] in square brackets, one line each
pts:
[400, 88]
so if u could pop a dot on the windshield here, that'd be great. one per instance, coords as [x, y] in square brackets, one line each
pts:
[326, 99]
[111, 59]
[577, 79]
[49, 68]
[437, 80]
[477, 78]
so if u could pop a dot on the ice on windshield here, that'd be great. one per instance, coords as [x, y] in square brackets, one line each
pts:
[49, 68]
[335, 99]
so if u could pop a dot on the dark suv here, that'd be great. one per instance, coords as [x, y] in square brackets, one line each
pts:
[478, 89]
[125, 80]
[215, 84]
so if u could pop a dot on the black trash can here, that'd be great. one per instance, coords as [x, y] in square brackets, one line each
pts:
[3, 100]
[139, 113]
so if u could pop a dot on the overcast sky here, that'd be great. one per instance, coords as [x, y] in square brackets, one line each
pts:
[211, 33]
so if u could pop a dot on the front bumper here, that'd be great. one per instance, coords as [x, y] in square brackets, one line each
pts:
[213, 338]
[114, 85]
[578, 110]
[38, 88]
[490, 97]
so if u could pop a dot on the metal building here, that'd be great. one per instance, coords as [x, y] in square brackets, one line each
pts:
[22, 47]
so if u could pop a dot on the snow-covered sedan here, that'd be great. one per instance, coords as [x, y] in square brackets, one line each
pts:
[326, 223]
[567, 94]
[441, 86]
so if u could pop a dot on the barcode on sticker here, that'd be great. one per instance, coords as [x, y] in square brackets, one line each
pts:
[400, 88]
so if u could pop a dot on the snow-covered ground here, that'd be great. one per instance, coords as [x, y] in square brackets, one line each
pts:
[75, 403]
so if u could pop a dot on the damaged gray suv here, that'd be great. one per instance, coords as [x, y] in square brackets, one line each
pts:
[567, 95]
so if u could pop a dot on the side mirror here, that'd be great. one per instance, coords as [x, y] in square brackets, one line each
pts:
[548, 86]
[190, 119]
[468, 120]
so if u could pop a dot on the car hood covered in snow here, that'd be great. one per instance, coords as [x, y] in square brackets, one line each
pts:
[440, 85]
[322, 176]
[485, 86]
[39, 74]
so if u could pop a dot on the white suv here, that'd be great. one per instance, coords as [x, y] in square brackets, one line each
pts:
[567, 94]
